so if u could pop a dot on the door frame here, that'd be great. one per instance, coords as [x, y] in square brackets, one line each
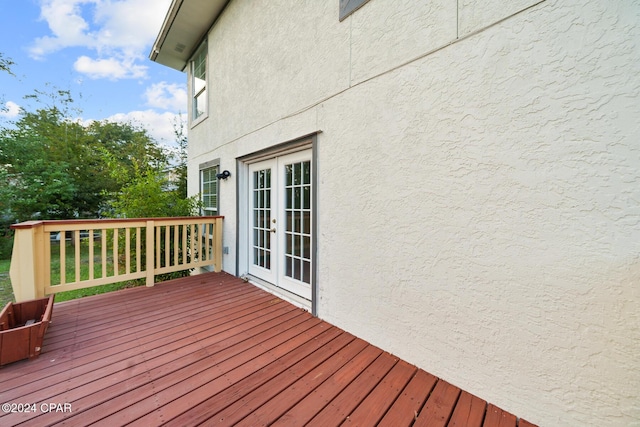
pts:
[307, 142]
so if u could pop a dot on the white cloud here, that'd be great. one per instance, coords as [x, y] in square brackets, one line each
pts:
[10, 110]
[167, 96]
[118, 31]
[111, 68]
[129, 24]
[66, 24]
[158, 125]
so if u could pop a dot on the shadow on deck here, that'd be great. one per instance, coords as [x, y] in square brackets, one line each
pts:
[213, 350]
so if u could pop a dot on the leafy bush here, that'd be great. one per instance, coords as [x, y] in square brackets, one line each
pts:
[149, 195]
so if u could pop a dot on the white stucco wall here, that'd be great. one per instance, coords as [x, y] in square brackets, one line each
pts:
[479, 183]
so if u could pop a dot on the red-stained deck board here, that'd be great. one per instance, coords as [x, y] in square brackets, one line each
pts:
[496, 417]
[247, 378]
[194, 381]
[469, 411]
[214, 350]
[94, 380]
[90, 323]
[274, 408]
[112, 326]
[121, 355]
[170, 374]
[89, 350]
[376, 404]
[344, 403]
[307, 408]
[240, 399]
[405, 409]
[439, 407]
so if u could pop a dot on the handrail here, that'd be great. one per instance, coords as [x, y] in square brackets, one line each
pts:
[115, 250]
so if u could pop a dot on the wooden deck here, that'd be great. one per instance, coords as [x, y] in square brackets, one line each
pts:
[213, 350]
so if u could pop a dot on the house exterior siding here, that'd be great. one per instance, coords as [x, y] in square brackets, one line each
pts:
[478, 189]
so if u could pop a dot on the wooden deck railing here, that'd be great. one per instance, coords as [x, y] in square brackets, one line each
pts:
[109, 251]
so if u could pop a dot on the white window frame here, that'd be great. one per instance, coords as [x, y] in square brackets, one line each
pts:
[198, 86]
[208, 175]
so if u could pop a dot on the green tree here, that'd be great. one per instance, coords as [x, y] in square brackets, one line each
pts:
[148, 195]
[6, 64]
[38, 168]
[181, 167]
[56, 167]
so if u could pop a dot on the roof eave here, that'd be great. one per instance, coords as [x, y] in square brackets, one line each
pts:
[185, 25]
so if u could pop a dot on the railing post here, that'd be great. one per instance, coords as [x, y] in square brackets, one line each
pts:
[27, 269]
[150, 252]
[217, 247]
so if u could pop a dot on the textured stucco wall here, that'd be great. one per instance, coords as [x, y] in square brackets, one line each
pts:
[479, 184]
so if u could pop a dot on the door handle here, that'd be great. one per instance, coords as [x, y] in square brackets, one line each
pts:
[273, 230]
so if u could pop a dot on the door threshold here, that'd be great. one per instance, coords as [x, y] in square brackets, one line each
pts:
[290, 297]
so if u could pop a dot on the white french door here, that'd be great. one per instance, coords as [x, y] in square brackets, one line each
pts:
[280, 222]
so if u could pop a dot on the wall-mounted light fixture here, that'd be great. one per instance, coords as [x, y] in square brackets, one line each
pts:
[224, 174]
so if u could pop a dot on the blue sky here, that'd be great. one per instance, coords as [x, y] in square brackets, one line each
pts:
[96, 49]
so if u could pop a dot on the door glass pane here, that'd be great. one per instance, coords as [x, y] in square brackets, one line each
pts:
[298, 221]
[289, 240]
[289, 196]
[306, 173]
[306, 247]
[289, 175]
[306, 197]
[289, 267]
[306, 272]
[306, 223]
[296, 269]
[296, 174]
[261, 241]
[297, 198]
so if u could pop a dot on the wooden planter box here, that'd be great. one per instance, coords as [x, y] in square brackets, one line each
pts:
[22, 329]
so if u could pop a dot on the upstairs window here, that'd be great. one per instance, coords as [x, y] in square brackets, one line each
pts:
[199, 83]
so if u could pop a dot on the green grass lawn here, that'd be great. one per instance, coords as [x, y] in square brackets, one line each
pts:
[6, 292]
[84, 271]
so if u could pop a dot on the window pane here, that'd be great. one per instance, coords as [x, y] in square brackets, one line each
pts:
[209, 189]
[199, 83]
[200, 104]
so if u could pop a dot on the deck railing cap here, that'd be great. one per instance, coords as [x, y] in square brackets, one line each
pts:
[35, 223]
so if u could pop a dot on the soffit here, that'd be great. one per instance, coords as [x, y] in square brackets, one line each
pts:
[184, 27]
